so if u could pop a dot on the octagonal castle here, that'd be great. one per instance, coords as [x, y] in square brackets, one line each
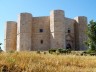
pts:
[47, 32]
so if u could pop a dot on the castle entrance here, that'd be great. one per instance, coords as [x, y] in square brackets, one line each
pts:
[68, 46]
[69, 42]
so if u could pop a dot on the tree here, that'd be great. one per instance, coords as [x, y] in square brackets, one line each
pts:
[0, 45]
[91, 32]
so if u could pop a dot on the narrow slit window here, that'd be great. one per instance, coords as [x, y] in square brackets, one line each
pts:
[41, 41]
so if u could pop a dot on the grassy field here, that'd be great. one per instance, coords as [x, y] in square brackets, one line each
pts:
[33, 62]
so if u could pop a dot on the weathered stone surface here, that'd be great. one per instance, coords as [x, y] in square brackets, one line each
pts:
[82, 27]
[70, 37]
[10, 36]
[57, 29]
[46, 32]
[44, 24]
[24, 32]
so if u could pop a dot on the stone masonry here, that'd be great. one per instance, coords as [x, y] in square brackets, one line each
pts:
[47, 32]
[10, 36]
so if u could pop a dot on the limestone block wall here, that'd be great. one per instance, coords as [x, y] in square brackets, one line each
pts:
[82, 26]
[41, 33]
[24, 33]
[69, 25]
[10, 36]
[57, 29]
[76, 29]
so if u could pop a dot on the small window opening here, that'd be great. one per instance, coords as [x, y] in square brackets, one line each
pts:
[41, 41]
[41, 30]
[69, 30]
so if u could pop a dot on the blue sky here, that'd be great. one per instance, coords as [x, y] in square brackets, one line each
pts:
[9, 9]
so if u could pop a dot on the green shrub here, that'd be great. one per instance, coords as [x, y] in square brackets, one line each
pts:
[68, 50]
[61, 50]
[38, 52]
[91, 51]
[52, 50]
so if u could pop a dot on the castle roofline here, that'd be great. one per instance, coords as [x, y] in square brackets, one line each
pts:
[11, 22]
[57, 10]
[80, 16]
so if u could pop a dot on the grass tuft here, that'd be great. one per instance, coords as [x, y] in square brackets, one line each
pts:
[45, 62]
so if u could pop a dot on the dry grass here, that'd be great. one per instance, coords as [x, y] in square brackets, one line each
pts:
[33, 62]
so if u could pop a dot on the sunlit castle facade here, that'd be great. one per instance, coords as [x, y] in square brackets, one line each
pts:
[46, 32]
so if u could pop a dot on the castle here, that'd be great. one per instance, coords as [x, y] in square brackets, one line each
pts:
[43, 33]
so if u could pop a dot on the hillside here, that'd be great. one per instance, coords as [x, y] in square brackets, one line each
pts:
[34, 62]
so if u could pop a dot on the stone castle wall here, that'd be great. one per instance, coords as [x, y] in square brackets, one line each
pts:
[24, 32]
[41, 33]
[82, 27]
[57, 29]
[46, 32]
[70, 37]
[10, 36]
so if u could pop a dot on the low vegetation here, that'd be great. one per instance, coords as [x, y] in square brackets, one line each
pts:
[60, 50]
[46, 62]
[91, 41]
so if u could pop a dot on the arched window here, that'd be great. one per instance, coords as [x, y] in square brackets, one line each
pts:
[68, 46]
